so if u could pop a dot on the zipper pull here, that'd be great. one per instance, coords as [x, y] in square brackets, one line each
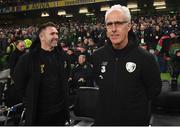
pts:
[116, 59]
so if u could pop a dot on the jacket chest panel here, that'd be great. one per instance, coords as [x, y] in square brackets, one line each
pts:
[119, 69]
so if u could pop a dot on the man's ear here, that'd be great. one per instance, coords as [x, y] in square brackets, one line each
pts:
[41, 35]
[107, 34]
[129, 26]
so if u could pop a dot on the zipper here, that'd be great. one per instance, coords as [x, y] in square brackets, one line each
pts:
[115, 76]
[116, 68]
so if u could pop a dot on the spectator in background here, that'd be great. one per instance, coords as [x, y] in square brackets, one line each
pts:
[157, 33]
[127, 75]
[12, 98]
[178, 19]
[72, 57]
[162, 49]
[41, 80]
[174, 53]
[3, 42]
[82, 50]
[14, 57]
[143, 37]
[82, 73]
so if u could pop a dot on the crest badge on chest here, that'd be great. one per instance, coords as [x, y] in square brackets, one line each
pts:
[130, 67]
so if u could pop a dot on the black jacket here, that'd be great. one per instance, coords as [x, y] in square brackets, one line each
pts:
[84, 71]
[128, 80]
[13, 59]
[27, 80]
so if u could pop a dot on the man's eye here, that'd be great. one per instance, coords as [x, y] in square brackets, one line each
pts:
[109, 24]
[118, 23]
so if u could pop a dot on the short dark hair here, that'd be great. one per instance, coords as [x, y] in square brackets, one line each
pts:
[18, 39]
[43, 26]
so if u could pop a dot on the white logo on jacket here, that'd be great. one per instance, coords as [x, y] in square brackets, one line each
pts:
[130, 67]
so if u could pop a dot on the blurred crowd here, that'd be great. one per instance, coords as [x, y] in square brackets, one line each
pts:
[156, 34]
[7, 3]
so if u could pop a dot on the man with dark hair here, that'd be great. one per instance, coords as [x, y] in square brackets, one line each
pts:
[41, 79]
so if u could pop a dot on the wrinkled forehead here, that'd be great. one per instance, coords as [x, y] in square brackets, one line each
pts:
[49, 29]
[116, 15]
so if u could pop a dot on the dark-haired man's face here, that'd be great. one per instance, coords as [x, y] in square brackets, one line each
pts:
[49, 37]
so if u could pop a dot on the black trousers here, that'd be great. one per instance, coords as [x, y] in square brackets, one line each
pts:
[51, 119]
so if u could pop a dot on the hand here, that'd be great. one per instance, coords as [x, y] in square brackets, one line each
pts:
[81, 80]
[69, 79]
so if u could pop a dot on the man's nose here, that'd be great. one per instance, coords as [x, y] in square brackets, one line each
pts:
[56, 36]
[113, 27]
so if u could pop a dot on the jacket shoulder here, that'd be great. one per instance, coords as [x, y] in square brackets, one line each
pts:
[26, 59]
[100, 51]
[144, 53]
[26, 55]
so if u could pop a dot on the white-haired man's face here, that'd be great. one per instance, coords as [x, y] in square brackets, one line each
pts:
[118, 26]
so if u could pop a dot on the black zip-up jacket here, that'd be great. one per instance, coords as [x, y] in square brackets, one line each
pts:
[84, 71]
[13, 59]
[27, 76]
[128, 80]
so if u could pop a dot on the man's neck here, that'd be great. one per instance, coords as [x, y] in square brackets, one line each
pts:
[120, 46]
[47, 48]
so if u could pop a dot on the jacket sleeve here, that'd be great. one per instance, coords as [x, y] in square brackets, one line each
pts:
[12, 63]
[68, 63]
[21, 77]
[89, 72]
[151, 77]
[95, 68]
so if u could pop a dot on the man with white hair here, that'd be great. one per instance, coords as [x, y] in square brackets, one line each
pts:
[128, 76]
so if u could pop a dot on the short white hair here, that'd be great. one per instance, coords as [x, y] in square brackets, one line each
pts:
[120, 8]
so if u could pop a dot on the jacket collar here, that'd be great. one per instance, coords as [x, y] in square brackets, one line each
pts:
[131, 45]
